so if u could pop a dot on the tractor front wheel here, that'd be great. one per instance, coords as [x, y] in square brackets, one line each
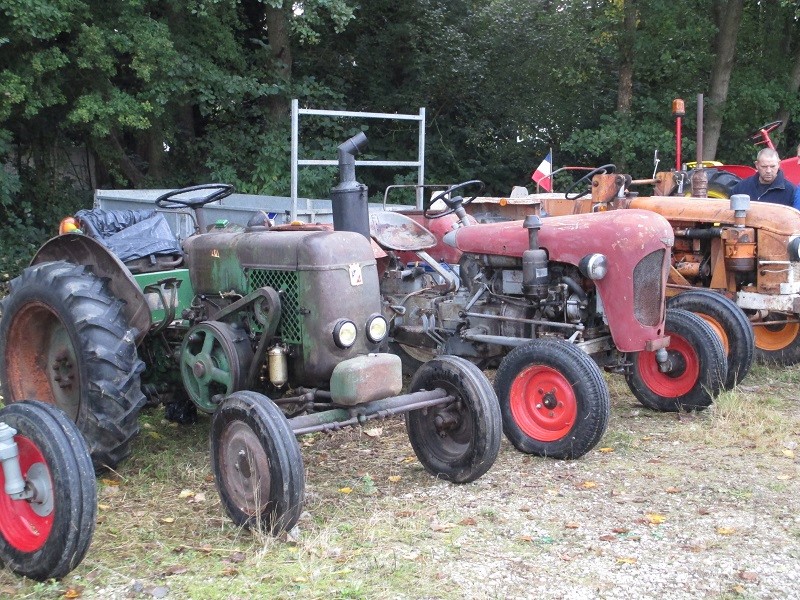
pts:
[729, 323]
[460, 440]
[696, 369]
[779, 343]
[553, 399]
[257, 464]
[47, 533]
[64, 341]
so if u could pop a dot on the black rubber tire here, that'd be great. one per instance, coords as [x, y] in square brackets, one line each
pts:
[777, 344]
[250, 425]
[583, 405]
[467, 449]
[720, 183]
[727, 320]
[61, 323]
[687, 389]
[45, 432]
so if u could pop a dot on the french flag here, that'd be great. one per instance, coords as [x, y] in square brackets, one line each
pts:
[542, 173]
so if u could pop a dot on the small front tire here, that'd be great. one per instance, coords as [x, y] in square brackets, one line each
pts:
[458, 441]
[46, 536]
[698, 367]
[257, 464]
[553, 399]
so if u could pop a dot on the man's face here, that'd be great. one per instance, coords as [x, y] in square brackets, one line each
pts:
[767, 169]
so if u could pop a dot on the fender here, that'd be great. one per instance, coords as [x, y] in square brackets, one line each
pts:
[80, 249]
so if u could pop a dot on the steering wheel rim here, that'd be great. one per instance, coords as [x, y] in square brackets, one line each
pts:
[609, 168]
[167, 200]
[452, 203]
[766, 129]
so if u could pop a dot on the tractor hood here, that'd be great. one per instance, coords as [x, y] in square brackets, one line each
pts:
[765, 216]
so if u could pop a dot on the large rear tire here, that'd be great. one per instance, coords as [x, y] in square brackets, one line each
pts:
[458, 441]
[553, 399]
[698, 367]
[64, 341]
[257, 464]
[729, 323]
[47, 535]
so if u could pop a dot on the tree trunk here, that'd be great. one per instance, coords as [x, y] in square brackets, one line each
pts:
[280, 45]
[626, 51]
[725, 45]
[793, 87]
[126, 165]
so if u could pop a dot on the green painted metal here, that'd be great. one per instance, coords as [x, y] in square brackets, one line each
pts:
[154, 301]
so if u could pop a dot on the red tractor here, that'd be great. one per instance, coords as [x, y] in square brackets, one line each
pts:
[539, 299]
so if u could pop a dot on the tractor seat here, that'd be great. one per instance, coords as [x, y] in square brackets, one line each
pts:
[142, 239]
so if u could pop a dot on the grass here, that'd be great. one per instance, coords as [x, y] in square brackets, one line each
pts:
[376, 525]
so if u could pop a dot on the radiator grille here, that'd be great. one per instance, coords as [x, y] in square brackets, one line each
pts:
[647, 288]
[290, 328]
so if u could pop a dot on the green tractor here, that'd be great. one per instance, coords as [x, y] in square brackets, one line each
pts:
[275, 331]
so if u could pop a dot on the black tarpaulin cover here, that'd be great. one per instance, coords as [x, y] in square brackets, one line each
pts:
[130, 234]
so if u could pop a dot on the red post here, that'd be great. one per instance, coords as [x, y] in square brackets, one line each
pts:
[678, 111]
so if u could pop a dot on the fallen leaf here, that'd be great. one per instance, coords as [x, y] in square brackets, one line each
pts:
[783, 477]
[628, 560]
[565, 557]
[230, 571]
[672, 490]
[608, 537]
[655, 518]
[526, 538]
[606, 450]
[346, 490]
[374, 431]
[107, 481]
[748, 576]
[703, 511]
[442, 527]
[588, 485]
[186, 494]
[620, 530]
[394, 478]
[300, 579]
[571, 525]
[739, 590]
[155, 435]
[73, 593]
[237, 557]
[788, 453]
[726, 530]
[199, 497]
[168, 520]
[468, 521]
[103, 506]
[176, 570]
[410, 459]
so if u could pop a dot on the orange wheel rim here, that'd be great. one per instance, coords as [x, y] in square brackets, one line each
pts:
[775, 337]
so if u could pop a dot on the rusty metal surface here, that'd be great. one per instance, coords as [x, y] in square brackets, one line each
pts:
[82, 250]
[396, 231]
[366, 378]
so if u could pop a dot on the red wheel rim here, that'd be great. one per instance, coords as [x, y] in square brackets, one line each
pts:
[19, 524]
[543, 403]
[671, 385]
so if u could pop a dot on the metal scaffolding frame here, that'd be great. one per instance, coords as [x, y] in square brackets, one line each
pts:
[298, 162]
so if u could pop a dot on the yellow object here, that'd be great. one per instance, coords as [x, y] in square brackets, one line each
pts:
[68, 225]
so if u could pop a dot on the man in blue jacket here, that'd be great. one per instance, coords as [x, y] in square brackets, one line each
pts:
[768, 184]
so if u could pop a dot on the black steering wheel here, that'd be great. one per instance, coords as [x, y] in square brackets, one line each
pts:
[218, 192]
[609, 168]
[454, 201]
[759, 135]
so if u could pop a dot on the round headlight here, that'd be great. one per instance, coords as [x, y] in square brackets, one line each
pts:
[594, 266]
[376, 328]
[344, 333]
